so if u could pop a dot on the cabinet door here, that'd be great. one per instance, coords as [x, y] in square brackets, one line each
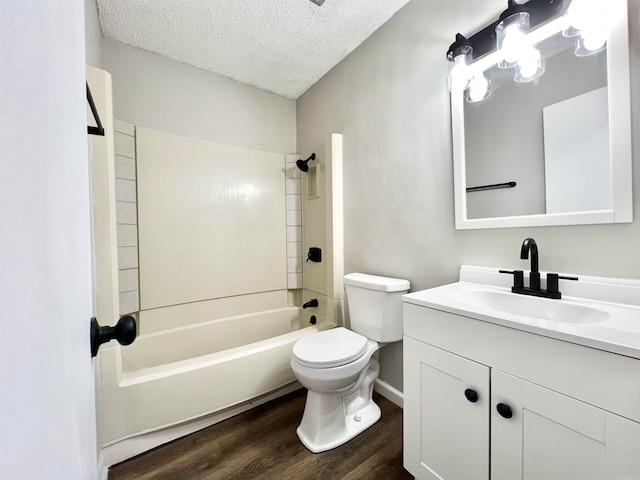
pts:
[446, 436]
[554, 437]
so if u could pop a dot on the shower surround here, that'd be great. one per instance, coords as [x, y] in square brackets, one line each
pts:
[211, 240]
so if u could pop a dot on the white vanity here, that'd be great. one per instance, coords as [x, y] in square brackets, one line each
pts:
[502, 386]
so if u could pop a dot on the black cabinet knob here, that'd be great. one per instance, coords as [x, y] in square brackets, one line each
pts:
[471, 395]
[504, 410]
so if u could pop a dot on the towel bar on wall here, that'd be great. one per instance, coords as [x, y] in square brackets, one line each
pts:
[495, 186]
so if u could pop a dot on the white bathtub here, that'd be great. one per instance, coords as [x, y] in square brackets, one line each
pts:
[174, 376]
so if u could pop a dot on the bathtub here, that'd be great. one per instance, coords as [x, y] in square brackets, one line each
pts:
[174, 376]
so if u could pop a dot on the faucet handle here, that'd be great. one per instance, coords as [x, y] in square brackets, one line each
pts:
[518, 277]
[552, 281]
[564, 277]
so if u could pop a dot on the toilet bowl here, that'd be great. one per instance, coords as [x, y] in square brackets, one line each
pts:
[338, 368]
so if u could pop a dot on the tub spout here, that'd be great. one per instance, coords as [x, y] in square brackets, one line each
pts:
[311, 303]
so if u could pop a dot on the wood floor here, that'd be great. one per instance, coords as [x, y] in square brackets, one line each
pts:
[262, 444]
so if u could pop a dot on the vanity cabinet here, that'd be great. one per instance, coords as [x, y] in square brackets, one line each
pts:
[483, 401]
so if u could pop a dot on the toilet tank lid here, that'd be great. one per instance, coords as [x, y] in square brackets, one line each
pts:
[374, 282]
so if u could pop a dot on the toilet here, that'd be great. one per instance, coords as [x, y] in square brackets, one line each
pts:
[337, 365]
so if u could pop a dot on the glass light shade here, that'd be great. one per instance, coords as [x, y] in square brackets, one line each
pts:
[591, 41]
[459, 71]
[510, 38]
[530, 65]
[589, 20]
[478, 89]
[583, 15]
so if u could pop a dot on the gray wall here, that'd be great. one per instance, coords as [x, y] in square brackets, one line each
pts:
[92, 33]
[155, 92]
[390, 100]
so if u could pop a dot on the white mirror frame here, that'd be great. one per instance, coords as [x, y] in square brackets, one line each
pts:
[619, 94]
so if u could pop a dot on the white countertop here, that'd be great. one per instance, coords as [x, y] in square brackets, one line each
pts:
[618, 333]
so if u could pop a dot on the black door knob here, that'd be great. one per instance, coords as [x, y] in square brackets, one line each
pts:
[504, 410]
[124, 332]
[471, 395]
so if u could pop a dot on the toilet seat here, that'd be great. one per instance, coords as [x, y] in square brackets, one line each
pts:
[330, 348]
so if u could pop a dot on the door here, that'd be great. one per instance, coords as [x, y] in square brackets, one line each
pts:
[446, 412]
[47, 410]
[555, 437]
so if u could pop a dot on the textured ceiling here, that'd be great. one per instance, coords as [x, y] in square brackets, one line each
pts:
[283, 46]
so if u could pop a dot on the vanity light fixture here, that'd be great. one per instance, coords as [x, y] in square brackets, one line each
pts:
[512, 40]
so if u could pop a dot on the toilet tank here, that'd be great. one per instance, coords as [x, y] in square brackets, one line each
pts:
[375, 305]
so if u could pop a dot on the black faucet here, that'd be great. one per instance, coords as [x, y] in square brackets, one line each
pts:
[529, 246]
[311, 303]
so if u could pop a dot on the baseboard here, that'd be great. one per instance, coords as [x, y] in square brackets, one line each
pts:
[102, 470]
[388, 392]
[130, 447]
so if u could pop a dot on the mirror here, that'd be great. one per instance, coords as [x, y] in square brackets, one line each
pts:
[531, 139]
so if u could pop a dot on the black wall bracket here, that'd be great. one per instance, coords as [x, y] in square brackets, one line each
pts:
[99, 130]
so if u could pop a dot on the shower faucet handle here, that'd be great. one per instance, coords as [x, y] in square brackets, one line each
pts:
[315, 254]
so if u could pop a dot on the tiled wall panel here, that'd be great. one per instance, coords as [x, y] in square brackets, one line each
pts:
[127, 228]
[211, 220]
[126, 217]
[293, 190]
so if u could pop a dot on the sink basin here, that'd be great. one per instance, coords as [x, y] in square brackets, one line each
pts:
[532, 307]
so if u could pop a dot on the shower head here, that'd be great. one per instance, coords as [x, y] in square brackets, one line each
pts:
[304, 164]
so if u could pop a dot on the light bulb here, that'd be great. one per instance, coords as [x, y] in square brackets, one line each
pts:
[478, 88]
[530, 65]
[578, 14]
[586, 15]
[512, 43]
[529, 62]
[511, 38]
[459, 74]
[594, 39]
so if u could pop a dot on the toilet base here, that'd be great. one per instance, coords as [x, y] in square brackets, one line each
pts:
[331, 419]
[350, 429]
